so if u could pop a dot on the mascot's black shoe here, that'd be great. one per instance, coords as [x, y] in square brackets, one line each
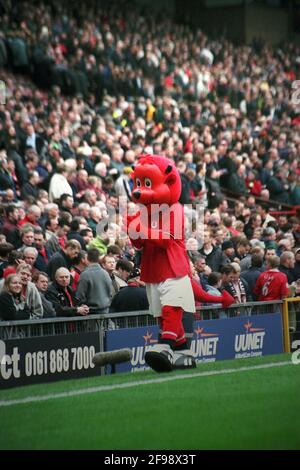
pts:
[184, 359]
[160, 358]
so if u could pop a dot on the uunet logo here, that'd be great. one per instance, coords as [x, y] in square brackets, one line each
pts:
[157, 221]
[205, 346]
[250, 343]
[138, 352]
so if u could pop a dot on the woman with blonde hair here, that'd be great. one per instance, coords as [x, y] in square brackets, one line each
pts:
[12, 305]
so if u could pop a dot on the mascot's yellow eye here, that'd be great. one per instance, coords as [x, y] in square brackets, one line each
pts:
[148, 183]
[138, 183]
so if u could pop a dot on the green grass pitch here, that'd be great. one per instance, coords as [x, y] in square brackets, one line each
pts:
[252, 409]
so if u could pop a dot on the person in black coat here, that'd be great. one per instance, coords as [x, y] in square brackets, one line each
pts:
[30, 188]
[12, 305]
[62, 296]
[63, 258]
[131, 298]
[41, 281]
[296, 269]
[278, 187]
[287, 265]
[74, 232]
[251, 274]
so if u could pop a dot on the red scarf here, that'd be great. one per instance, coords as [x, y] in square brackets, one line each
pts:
[69, 296]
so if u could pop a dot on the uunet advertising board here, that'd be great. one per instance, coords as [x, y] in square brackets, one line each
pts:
[231, 338]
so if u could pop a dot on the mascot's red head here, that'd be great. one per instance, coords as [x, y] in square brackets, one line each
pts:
[156, 181]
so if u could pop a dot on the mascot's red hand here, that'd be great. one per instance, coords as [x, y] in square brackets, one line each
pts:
[133, 228]
[227, 299]
[202, 296]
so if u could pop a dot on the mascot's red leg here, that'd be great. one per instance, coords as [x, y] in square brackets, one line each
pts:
[160, 357]
[171, 324]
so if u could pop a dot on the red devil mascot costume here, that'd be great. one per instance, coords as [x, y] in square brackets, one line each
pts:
[158, 230]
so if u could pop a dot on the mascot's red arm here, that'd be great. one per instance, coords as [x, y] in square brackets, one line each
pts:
[201, 296]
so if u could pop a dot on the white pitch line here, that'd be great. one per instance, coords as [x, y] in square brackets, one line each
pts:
[106, 388]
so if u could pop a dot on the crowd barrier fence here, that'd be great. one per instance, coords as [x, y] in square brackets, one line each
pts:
[42, 350]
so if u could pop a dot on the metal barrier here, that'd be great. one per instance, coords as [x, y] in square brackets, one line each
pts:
[250, 308]
[49, 327]
[37, 351]
[111, 321]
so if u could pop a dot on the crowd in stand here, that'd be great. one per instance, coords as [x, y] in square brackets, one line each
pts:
[86, 93]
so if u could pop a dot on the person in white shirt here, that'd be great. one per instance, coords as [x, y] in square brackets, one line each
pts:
[59, 184]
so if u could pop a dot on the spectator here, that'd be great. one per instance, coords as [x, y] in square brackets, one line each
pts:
[271, 284]
[74, 234]
[30, 255]
[12, 305]
[228, 252]
[265, 215]
[87, 235]
[14, 259]
[5, 250]
[122, 272]
[131, 298]
[213, 255]
[94, 219]
[59, 184]
[29, 292]
[253, 224]
[214, 288]
[30, 188]
[236, 286]
[56, 235]
[227, 273]
[122, 185]
[10, 222]
[44, 254]
[245, 263]
[26, 237]
[109, 264]
[297, 264]
[269, 237]
[63, 258]
[250, 275]
[278, 187]
[242, 249]
[66, 202]
[95, 285]
[62, 296]
[32, 217]
[41, 281]
[79, 265]
[214, 284]
[203, 271]
[287, 265]
[115, 251]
